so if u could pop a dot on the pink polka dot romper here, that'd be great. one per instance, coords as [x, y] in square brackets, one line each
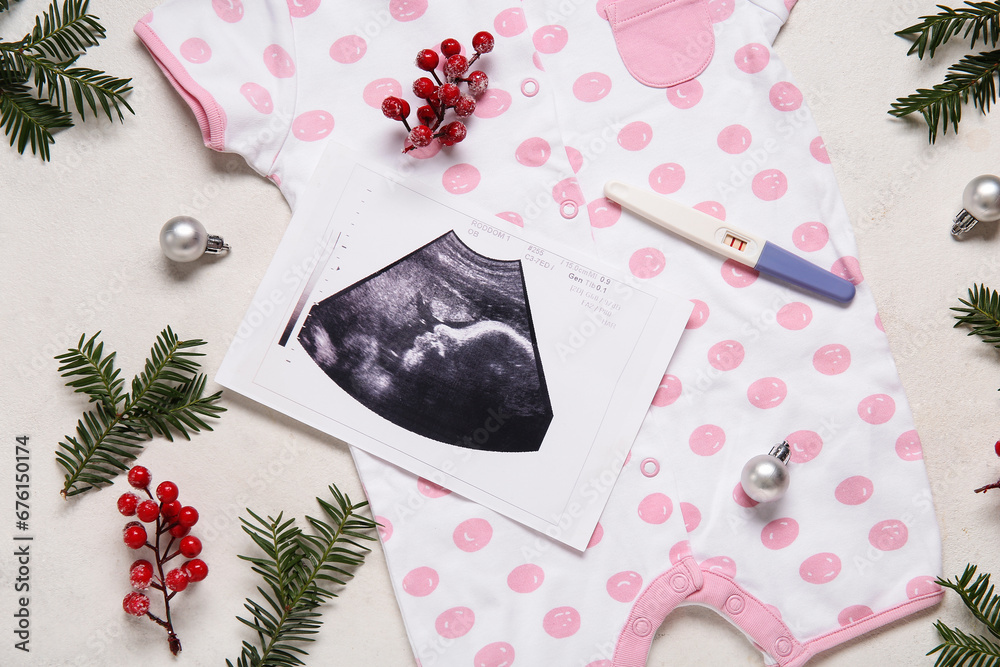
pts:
[687, 98]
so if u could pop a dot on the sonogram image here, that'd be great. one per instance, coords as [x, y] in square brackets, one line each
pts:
[441, 343]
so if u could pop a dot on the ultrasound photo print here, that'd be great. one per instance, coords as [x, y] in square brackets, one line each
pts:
[441, 343]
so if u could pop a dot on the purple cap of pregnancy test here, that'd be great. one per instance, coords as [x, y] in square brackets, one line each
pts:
[778, 262]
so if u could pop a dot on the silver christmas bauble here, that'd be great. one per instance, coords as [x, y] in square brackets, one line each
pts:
[184, 239]
[981, 202]
[982, 198]
[765, 476]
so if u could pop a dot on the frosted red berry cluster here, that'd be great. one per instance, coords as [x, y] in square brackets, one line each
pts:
[442, 94]
[169, 522]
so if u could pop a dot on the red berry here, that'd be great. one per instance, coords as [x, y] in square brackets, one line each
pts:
[426, 114]
[996, 448]
[190, 546]
[167, 492]
[179, 530]
[420, 136]
[456, 65]
[188, 516]
[427, 59]
[139, 477]
[482, 42]
[134, 535]
[449, 94]
[450, 47]
[170, 510]
[196, 569]
[465, 106]
[395, 108]
[140, 574]
[452, 133]
[423, 87]
[147, 511]
[136, 604]
[177, 580]
[127, 502]
[478, 82]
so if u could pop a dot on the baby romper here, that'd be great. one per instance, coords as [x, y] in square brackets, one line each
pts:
[686, 98]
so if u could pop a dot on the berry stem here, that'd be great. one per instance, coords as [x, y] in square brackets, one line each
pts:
[474, 59]
[984, 489]
[406, 125]
[435, 75]
[172, 640]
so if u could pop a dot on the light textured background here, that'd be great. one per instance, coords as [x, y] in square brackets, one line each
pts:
[79, 253]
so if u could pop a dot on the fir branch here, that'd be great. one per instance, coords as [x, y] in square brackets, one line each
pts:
[167, 397]
[982, 313]
[5, 4]
[299, 570]
[47, 57]
[95, 373]
[62, 36]
[27, 120]
[978, 596]
[981, 21]
[957, 649]
[974, 76]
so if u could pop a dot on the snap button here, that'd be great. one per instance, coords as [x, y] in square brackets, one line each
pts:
[529, 87]
[642, 627]
[783, 647]
[679, 582]
[568, 209]
[649, 467]
[735, 604]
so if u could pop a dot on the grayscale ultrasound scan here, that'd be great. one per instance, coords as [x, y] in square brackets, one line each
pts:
[440, 343]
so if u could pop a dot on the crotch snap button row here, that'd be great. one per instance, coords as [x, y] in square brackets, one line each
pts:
[679, 582]
[735, 604]
[650, 467]
[642, 627]
[783, 647]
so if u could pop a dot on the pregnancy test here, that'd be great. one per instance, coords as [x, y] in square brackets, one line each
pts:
[729, 241]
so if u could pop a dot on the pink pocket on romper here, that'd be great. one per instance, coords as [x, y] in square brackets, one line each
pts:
[663, 43]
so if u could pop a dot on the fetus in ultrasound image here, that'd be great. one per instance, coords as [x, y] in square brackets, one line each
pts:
[441, 343]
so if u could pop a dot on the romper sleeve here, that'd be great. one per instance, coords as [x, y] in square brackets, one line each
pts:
[234, 65]
[774, 14]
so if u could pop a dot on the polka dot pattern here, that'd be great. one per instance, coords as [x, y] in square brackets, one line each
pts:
[707, 440]
[533, 152]
[592, 87]
[312, 125]
[230, 11]
[646, 263]
[349, 49]
[753, 351]
[526, 578]
[655, 508]
[668, 392]
[421, 582]
[473, 535]
[561, 622]
[196, 50]
[279, 62]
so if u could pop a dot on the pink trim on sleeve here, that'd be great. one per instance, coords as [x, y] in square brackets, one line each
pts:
[210, 116]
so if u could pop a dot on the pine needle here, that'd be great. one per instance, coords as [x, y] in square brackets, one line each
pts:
[980, 21]
[982, 313]
[973, 77]
[300, 571]
[46, 57]
[166, 398]
[958, 649]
